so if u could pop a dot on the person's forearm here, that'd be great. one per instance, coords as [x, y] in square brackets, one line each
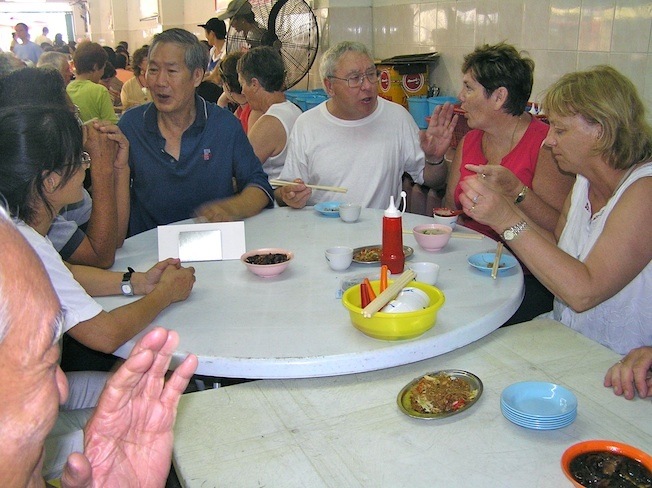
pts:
[539, 211]
[107, 331]
[97, 282]
[251, 201]
[130, 319]
[434, 175]
[122, 198]
[102, 224]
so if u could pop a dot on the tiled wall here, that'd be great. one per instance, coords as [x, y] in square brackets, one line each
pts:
[559, 35]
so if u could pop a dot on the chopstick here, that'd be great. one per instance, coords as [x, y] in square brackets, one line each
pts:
[90, 121]
[499, 253]
[461, 235]
[464, 235]
[390, 292]
[337, 189]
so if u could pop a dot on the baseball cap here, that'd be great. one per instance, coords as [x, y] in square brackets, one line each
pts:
[215, 25]
[239, 7]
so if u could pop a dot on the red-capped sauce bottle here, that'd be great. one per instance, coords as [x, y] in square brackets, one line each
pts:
[392, 253]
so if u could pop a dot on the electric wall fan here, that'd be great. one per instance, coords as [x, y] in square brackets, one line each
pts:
[288, 25]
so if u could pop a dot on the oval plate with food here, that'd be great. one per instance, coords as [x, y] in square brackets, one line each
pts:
[484, 261]
[328, 209]
[371, 254]
[428, 397]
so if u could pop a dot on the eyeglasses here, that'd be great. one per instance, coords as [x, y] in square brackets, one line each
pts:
[356, 81]
[85, 160]
[77, 114]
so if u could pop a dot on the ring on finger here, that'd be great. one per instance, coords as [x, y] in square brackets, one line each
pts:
[483, 175]
[475, 199]
[472, 208]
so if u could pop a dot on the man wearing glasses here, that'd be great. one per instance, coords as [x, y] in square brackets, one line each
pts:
[359, 141]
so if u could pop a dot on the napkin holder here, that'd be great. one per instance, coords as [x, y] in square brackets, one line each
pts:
[201, 242]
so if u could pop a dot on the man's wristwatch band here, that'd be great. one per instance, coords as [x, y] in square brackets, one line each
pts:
[126, 286]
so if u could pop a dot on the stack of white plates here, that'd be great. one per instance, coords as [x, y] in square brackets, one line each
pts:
[538, 405]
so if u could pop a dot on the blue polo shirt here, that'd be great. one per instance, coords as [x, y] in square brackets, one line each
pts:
[214, 151]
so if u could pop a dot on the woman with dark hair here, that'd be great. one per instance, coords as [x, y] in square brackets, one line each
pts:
[134, 91]
[111, 82]
[232, 95]
[86, 232]
[42, 170]
[121, 70]
[58, 41]
[505, 146]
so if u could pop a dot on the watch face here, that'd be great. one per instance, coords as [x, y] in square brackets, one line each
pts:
[508, 235]
[126, 289]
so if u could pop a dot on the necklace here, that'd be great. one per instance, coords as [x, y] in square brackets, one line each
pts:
[511, 144]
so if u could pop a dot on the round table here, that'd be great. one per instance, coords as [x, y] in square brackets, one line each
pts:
[294, 325]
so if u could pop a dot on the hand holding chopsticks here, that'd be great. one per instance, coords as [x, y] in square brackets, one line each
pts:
[337, 189]
[390, 292]
[499, 254]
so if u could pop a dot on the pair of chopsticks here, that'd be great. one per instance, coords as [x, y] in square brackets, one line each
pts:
[498, 255]
[388, 295]
[460, 235]
[337, 189]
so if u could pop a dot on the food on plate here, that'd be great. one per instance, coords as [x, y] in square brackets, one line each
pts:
[604, 469]
[441, 393]
[368, 255]
[269, 258]
[433, 232]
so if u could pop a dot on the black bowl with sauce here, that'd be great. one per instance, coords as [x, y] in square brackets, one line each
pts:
[601, 463]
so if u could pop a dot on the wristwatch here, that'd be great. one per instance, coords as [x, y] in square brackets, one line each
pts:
[521, 196]
[510, 233]
[126, 287]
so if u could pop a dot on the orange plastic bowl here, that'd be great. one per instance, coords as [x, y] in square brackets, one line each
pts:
[601, 445]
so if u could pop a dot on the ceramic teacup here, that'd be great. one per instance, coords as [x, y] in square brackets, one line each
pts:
[339, 257]
[426, 272]
[350, 212]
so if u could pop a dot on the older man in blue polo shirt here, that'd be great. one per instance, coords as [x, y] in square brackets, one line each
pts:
[185, 152]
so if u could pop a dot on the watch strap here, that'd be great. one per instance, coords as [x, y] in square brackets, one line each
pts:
[127, 275]
[126, 286]
[512, 232]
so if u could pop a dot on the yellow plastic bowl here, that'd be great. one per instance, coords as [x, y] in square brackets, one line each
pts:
[394, 326]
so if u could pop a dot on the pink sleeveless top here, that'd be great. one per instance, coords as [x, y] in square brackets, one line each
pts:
[521, 161]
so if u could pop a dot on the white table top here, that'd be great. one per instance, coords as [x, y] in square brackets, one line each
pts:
[348, 431]
[294, 326]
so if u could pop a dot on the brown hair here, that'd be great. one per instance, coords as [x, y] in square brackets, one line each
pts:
[604, 97]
